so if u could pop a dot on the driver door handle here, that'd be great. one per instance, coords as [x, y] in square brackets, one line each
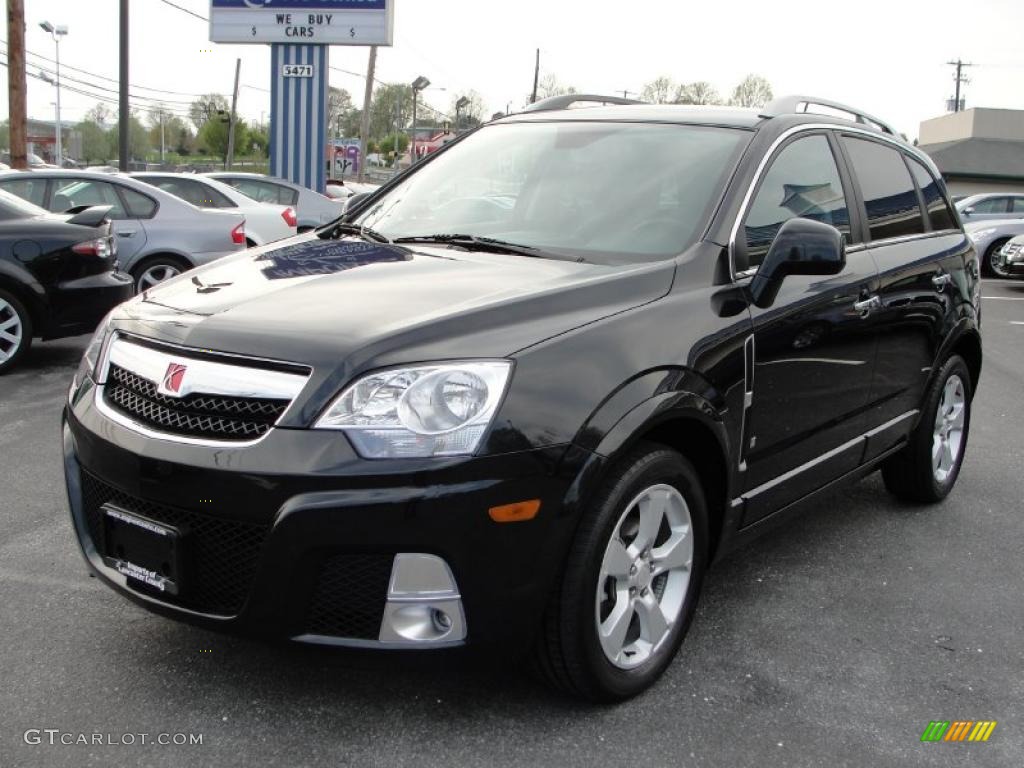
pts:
[866, 306]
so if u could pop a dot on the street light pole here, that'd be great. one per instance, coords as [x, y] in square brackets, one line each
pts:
[57, 32]
[419, 84]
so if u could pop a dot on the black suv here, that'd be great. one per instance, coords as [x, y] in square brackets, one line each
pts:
[527, 391]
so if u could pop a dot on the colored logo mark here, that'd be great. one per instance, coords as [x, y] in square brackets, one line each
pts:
[958, 730]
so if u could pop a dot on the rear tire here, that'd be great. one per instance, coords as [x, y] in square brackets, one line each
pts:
[926, 470]
[153, 270]
[15, 331]
[628, 565]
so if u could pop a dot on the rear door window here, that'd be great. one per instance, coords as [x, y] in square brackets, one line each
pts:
[70, 193]
[939, 213]
[889, 195]
[804, 182]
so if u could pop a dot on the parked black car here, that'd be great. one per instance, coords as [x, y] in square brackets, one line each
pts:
[58, 274]
[525, 393]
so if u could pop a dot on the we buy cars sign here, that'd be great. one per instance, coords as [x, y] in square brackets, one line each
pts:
[314, 22]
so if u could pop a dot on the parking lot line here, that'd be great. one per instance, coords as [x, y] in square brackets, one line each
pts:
[1004, 298]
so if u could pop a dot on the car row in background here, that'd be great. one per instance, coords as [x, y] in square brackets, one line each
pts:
[158, 235]
[264, 222]
[989, 237]
[58, 274]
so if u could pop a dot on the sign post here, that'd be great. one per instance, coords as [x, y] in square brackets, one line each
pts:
[300, 33]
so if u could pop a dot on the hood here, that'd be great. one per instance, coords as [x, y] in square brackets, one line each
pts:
[321, 303]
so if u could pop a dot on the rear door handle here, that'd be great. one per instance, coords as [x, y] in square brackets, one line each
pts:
[125, 232]
[866, 306]
[941, 280]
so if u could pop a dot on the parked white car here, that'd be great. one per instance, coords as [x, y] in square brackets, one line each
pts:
[264, 222]
[312, 208]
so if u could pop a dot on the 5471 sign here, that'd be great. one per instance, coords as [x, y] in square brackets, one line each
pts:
[296, 70]
[312, 22]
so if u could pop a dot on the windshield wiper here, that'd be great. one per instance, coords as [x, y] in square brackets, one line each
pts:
[355, 229]
[476, 242]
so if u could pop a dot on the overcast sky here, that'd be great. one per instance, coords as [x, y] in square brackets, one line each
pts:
[885, 56]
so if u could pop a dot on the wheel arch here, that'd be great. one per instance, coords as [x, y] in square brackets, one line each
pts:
[968, 346]
[31, 294]
[687, 423]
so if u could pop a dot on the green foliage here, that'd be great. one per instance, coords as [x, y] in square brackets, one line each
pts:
[213, 136]
[386, 100]
[96, 142]
[138, 139]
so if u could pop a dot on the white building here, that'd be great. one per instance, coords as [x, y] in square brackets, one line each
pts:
[977, 150]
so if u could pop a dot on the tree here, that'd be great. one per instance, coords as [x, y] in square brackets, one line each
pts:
[213, 136]
[754, 91]
[138, 139]
[339, 104]
[5, 133]
[95, 141]
[700, 92]
[549, 85]
[259, 141]
[391, 105]
[471, 115]
[205, 108]
[659, 91]
[101, 114]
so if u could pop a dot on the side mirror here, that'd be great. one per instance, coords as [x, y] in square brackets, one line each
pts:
[801, 247]
[967, 212]
[353, 200]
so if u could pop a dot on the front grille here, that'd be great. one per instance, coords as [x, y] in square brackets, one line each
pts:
[221, 554]
[217, 417]
[349, 597]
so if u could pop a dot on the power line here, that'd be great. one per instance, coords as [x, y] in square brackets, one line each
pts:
[184, 10]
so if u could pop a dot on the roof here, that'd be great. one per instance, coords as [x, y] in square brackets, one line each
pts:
[649, 113]
[988, 158]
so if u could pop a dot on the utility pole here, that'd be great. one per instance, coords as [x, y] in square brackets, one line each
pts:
[124, 114]
[364, 123]
[234, 117]
[163, 138]
[958, 79]
[16, 87]
[536, 78]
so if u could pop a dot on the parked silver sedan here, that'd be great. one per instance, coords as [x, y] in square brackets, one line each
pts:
[989, 237]
[158, 235]
[312, 208]
[991, 206]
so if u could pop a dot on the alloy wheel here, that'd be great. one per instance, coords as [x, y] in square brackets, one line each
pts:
[11, 331]
[644, 576]
[948, 434]
[993, 262]
[155, 275]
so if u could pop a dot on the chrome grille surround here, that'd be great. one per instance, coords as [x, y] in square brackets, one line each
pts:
[225, 400]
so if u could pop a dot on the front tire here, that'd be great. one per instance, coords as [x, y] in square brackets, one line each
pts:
[631, 581]
[15, 331]
[991, 262]
[926, 470]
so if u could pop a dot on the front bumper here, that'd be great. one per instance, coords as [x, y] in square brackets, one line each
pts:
[295, 536]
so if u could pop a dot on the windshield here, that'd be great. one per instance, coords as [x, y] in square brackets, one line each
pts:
[601, 191]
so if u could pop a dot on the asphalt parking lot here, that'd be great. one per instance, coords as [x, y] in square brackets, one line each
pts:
[832, 641]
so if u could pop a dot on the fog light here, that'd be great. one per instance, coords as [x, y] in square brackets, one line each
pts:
[424, 606]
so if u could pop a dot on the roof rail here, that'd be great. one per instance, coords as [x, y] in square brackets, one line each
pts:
[567, 100]
[788, 105]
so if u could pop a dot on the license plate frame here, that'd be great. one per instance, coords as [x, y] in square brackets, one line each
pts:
[143, 550]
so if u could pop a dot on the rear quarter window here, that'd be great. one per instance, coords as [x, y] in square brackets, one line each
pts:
[939, 214]
[139, 206]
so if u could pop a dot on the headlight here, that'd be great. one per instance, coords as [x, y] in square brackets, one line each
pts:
[429, 410]
[980, 234]
[91, 358]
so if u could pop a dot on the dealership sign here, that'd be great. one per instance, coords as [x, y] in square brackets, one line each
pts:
[312, 22]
